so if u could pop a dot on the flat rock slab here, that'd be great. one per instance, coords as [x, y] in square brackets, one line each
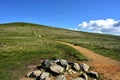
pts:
[56, 68]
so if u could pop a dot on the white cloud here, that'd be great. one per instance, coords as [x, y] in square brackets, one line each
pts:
[108, 26]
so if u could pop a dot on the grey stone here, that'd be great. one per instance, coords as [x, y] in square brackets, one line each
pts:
[29, 74]
[56, 68]
[67, 67]
[78, 78]
[63, 62]
[93, 74]
[56, 61]
[84, 76]
[44, 76]
[37, 73]
[61, 77]
[85, 67]
[46, 64]
[76, 66]
[70, 71]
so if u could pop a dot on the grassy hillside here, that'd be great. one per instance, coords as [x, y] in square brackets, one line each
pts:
[19, 46]
[107, 45]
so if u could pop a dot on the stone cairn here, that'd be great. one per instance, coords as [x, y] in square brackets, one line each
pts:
[61, 69]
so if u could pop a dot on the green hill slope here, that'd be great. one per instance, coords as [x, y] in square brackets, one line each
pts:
[19, 46]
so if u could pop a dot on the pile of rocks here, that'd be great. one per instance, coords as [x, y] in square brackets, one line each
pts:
[61, 69]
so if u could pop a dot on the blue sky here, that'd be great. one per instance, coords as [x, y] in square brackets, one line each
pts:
[61, 13]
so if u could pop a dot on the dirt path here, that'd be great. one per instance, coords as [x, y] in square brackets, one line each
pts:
[109, 68]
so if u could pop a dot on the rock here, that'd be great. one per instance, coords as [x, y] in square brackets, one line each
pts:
[37, 73]
[70, 71]
[85, 67]
[46, 64]
[56, 68]
[78, 78]
[61, 77]
[60, 68]
[84, 76]
[67, 67]
[93, 74]
[76, 66]
[56, 61]
[63, 62]
[30, 74]
[44, 76]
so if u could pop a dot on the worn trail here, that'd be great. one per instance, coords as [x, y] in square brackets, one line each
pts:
[109, 68]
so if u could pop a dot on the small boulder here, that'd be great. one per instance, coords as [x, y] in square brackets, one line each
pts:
[67, 67]
[29, 74]
[63, 62]
[76, 66]
[85, 67]
[44, 76]
[60, 77]
[70, 71]
[93, 74]
[56, 68]
[46, 64]
[56, 61]
[84, 76]
[37, 73]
